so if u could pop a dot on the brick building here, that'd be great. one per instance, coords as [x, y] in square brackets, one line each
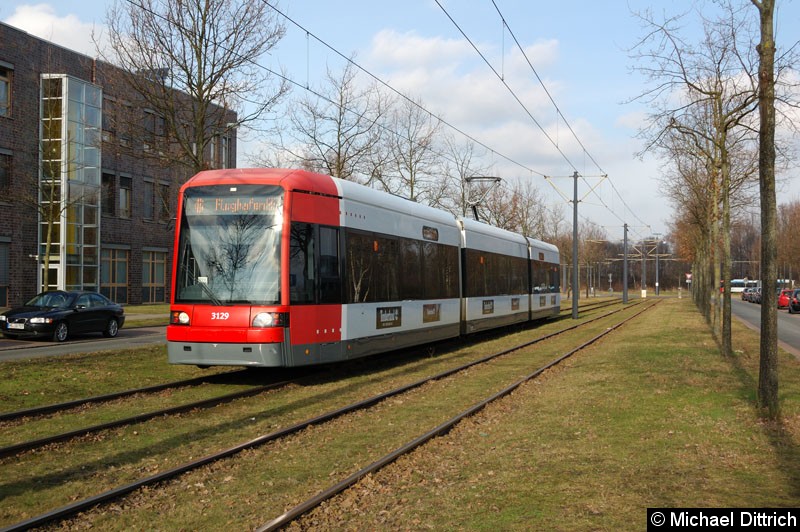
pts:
[72, 168]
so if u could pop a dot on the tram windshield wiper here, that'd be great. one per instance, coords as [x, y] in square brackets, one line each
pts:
[214, 299]
[203, 287]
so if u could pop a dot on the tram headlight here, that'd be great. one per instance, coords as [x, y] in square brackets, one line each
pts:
[178, 317]
[270, 319]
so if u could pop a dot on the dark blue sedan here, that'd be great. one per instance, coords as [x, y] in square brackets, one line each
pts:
[57, 314]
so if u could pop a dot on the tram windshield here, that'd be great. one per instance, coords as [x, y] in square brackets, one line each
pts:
[229, 245]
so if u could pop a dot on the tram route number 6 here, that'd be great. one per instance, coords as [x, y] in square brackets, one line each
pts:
[220, 315]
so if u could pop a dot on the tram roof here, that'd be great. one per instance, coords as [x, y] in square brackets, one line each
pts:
[288, 178]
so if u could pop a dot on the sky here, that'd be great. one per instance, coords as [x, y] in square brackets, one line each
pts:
[580, 49]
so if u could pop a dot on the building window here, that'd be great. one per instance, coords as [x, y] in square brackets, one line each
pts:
[114, 274]
[225, 153]
[148, 203]
[154, 127]
[149, 131]
[5, 269]
[163, 202]
[109, 197]
[109, 118]
[125, 192]
[154, 279]
[5, 172]
[124, 112]
[212, 151]
[156, 202]
[5, 91]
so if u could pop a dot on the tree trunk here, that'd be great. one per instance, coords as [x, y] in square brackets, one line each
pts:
[727, 341]
[768, 370]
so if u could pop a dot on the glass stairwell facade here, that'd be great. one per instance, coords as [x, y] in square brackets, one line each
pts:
[69, 183]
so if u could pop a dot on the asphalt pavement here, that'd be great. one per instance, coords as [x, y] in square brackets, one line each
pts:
[127, 338]
[788, 324]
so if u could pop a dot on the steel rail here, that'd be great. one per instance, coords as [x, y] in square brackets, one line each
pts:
[14, 449]
[439, 430]
[115, 493]
[205, 403]
[57, 407]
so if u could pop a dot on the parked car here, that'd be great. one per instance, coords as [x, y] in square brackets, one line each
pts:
[755, 297]
[794, 301]
[783, 297]
[747, 293]
[57, 314]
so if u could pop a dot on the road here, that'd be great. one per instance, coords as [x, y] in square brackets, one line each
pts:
[788, 324]
[127, 338]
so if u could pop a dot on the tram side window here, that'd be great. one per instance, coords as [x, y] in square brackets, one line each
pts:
[491, 274]
[546, 277]
[450, 270]
[382, 268]
[373, 268]
[555, 278]
[301, 259]
[411, 261]
[440, 265]
[314, 264]
[330, 290]
[519, 275]
[359, 267]
[539, 277]
[512, 275]
[474, 273]
[386, 278]
[483, 272]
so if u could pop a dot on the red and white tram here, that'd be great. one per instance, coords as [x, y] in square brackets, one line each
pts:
[287, 268]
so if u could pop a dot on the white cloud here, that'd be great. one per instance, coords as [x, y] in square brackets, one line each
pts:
[632, 121]
[456, 84]
[68, 31]
[405, 51]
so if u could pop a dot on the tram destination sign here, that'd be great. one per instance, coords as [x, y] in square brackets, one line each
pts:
[233, 205]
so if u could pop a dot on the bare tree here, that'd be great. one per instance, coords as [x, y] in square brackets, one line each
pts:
[337, 130]
[413, 162]
[592, 240]
[705, 94]
[193, 64]
[460, 165]
[519, 207]
[531, 209]
[788, 243]
[688, 183]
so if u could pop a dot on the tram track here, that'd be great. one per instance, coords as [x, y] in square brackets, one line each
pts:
[78, 506]
[16, 448]
[440, 430]
[204, 379]
[12, 450]
[104, 398]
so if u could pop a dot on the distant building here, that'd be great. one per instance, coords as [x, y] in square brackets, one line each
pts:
[71, 166]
